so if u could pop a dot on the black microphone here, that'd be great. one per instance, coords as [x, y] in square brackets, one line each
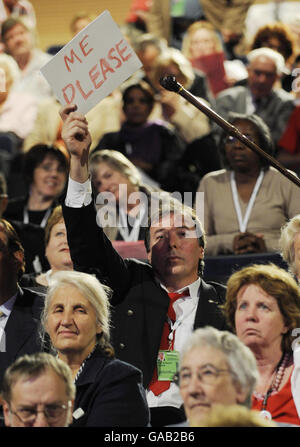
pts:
[170, 83]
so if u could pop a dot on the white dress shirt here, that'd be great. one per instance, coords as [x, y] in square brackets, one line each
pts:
[5, 311]
[78, 194]
[185, 310]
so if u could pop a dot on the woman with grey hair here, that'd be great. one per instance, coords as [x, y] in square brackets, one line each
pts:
[76, 318]
[289, 245]
[215, 367]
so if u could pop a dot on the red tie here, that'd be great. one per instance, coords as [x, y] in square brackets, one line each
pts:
[159, 386]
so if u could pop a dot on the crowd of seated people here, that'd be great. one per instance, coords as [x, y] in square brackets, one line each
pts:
[95, 332]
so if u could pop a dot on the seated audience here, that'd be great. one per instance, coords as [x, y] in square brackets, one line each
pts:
[202, 45]
[170, 20]
[19, 42]
[20, 308]
[142, 292]
[187, 120]
[278, 37]
[57, 251]
[18, 110]
[148, 48]
[273, 105]
[289, 245]
[31, 236]
[115, 179]
[38, 391]
[150, 145]
[17, 113]
[45, 171]
[247, 202]
[19, 8]
[109, 392]
[104, 117]
[263, 308]
[214, 368]
[173, 62]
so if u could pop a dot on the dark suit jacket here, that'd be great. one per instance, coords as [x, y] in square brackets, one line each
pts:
[21, 330]
[111, 394]
[140, 303]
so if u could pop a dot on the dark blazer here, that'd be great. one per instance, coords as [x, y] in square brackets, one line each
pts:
[140, 304]
[111, 394]
[21, 330]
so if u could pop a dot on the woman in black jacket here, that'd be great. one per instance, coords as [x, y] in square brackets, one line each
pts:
[109, 392]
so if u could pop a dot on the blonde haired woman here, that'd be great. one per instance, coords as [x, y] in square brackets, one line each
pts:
[203, 47]
[116, 180]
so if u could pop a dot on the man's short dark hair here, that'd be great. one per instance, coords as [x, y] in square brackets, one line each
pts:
[13, 242]
[175, 207]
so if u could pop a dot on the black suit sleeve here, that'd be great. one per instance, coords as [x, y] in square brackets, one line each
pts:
[92, 252]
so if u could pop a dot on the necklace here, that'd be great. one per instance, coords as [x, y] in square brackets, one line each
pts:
[275, 385]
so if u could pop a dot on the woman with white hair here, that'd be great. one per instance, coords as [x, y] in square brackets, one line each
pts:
[289, 244]
[76, 316]
[215, 367]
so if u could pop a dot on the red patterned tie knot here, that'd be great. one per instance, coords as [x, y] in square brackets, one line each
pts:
[174, 296]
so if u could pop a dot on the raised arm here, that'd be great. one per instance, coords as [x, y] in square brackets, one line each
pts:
[77, 138]
[91, 251]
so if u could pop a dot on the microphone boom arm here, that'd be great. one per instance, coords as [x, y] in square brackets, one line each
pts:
[170, 83]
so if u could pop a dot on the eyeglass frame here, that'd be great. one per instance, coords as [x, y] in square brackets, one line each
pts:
[218, 372]
[231, 139]
[44, 411]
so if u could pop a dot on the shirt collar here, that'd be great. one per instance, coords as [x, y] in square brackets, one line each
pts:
[7, 307]
[193, 288]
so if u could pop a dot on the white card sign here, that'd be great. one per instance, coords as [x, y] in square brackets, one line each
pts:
[95, 62]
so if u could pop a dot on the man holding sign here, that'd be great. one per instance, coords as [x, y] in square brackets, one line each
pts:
[148, 331]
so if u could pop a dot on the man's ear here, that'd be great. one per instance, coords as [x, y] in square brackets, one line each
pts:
[201, 253]
[6, 414]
